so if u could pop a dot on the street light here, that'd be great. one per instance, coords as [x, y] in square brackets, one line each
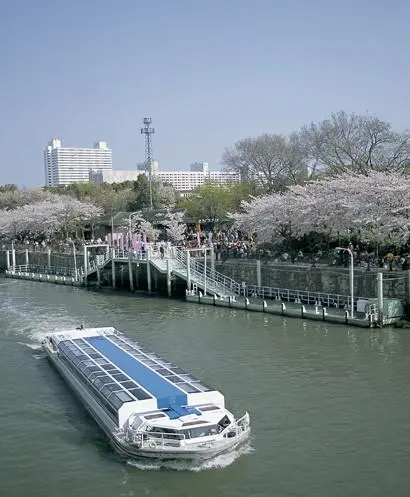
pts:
[351, 279]
[74, 256]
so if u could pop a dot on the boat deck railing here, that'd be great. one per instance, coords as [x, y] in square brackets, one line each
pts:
[158, 440]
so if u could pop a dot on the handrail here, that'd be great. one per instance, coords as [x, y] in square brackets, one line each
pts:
[44, 269]
[218, 281]
[157, 440]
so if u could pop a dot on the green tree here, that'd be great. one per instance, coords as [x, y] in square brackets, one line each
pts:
[209, 202]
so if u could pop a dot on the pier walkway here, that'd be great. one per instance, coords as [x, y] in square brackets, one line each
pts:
[204, 284]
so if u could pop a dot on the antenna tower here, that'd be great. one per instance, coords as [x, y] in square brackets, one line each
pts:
[148, 131]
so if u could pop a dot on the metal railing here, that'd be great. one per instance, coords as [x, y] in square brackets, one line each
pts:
[213, 280]
[157, 440]
[126, 254]
[300, 296]
[42, 269]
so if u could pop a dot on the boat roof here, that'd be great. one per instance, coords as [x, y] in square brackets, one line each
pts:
[126, 372]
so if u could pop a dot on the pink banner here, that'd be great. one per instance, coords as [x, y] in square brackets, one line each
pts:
[198, 240]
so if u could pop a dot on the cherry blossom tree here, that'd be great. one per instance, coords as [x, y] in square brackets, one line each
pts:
[54, 215]
[175, 226]
[375, 206]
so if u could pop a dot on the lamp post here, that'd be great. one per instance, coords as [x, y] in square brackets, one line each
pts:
[351, 278]
[74, 256]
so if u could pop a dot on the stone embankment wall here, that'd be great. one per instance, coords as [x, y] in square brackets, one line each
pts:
[328, 279]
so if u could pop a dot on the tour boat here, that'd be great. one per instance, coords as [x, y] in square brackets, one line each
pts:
[147, 406]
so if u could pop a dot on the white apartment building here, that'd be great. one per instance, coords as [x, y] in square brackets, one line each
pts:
[183, 181]
[63, 165]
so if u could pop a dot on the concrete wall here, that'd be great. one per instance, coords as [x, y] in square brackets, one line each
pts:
[316, 279]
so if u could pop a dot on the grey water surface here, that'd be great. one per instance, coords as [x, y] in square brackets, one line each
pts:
[329, 405]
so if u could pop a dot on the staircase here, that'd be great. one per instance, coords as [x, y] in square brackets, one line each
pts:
[175, 260]
[201, 275]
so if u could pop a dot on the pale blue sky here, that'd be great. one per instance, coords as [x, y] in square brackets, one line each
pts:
[207, 72]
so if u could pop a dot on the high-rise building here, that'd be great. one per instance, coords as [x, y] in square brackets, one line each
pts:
[63, 165]
[183, 181]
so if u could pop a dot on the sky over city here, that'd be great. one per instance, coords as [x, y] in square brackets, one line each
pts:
[208, 73]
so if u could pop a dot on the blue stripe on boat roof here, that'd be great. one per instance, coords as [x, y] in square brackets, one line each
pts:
[166, 393]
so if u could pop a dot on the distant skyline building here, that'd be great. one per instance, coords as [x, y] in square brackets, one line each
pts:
[64, 165]
[182, 181]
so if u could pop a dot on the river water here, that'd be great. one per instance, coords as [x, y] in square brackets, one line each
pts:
[329, 405]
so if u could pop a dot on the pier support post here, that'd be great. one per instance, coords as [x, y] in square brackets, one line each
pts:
[113, 276]
[13, 258]
[8, 259]
[188, 270]
[407, 285]
[213, 262]
[258, 273]
[27, 257]
[130, 275]
[136, 281]
[169, 281]
[85, 265]
[380, 298]
[98, 277]
[49, 258]
[149, 282]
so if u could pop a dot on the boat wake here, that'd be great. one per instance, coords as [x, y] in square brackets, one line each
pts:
[219, 462]
[32, 346]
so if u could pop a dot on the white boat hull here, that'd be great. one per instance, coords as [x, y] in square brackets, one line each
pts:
[207, 450]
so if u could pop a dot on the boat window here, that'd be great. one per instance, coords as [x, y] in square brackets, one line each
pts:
[203, 431]
[115, 401]
[201, 386]
[139, 394]
[77, 340]
[99, 383]
[108, 389]
[209, 408]
[147, 362]
[154, 416]
[129, 384]
[172, 378]
[178, 371]
[95, 374]
[187, 388]
[225, 422]
[193, 423]
[82, 366]
[155, 367]
[187, 377]
[123, 396]
[162, 371]
[88, 350]
[120, 377]
[109, 367]
[101, 361]
[88, 363]
[91, 369]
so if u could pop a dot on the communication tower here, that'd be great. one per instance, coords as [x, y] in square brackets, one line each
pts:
[148, 132]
